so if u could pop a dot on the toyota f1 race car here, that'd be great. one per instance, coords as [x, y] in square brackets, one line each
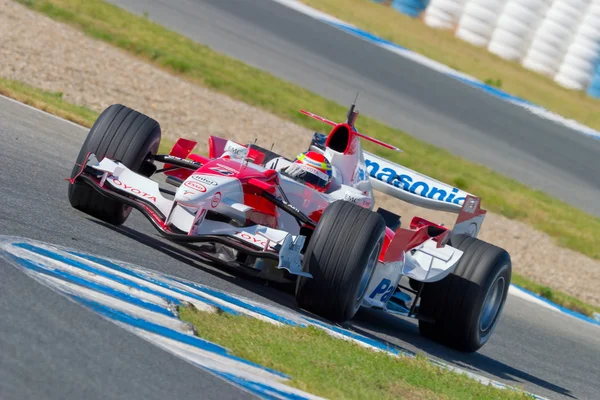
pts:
[308, 221]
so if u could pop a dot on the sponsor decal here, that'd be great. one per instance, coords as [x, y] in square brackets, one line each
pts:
[360, 200]
[290, 205]
[195, 185]
[191, 163]
[251, 238]
[204, 180]
[471, 206]
[314, 171]
[216, 199]
[409, 184]
[351, 198]
[132, 189]
[237, 149]
[359, 174]
[385, 289]
[222, 171]
[227, 168]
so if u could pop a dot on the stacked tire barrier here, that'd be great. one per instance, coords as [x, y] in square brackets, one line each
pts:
[579, 63]
[554, 35]
[557, 38]
[515, 27]
[443, 13]
[478, 20]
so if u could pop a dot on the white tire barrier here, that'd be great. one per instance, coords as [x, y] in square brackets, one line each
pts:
[554, 35]
[579, 64]
[443, 14]
[478, 20]
[557, 38]
[515, 27]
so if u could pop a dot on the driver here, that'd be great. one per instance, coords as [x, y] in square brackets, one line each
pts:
[311, 169]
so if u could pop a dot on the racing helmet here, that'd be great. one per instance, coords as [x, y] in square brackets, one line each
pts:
[311, 169]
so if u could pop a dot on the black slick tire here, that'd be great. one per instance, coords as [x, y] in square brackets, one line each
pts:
[121, 134]
[467, 304]
[341, 256]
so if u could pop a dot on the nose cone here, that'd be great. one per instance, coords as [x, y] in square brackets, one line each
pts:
[191, 192]
[200, 190]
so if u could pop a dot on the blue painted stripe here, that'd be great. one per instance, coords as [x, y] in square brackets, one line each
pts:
[75, 263]
[257, 388]
[116, 278]
[363, 34]
[349, 334]
[141, 323]
[561, 308]
[149, 279]
[380, 41]
[240, 303]
[67, 277]
[148, 326]
[492, 90]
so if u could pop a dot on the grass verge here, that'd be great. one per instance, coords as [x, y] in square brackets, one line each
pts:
[323, 365]
[53, 103]
[569, 226]
[443, 46]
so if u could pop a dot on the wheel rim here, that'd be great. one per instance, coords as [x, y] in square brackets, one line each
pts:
[492, 304]
[366, 276]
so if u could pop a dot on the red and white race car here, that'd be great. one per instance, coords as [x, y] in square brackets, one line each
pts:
[308, 221]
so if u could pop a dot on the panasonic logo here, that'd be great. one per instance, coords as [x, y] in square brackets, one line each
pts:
[407, 183]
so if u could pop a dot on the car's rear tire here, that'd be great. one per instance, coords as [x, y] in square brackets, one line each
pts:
[341, 256]
[121, 134]
[467, 304]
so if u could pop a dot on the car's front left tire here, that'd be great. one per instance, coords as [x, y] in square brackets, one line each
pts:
[121, 134]
[341, 256]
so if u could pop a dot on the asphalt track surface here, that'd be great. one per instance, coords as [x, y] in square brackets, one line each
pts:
[400, 92]
[53, 348]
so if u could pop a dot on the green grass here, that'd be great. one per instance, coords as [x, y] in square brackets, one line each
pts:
[571, 228]
[555, 296]
[51, 102]
[333, 368]
[443, 46]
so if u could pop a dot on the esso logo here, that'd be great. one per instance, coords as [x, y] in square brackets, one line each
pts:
[195, 185]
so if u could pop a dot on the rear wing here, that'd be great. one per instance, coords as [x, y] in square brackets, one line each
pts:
[408, 185]
[421, 190]
[411, 186]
